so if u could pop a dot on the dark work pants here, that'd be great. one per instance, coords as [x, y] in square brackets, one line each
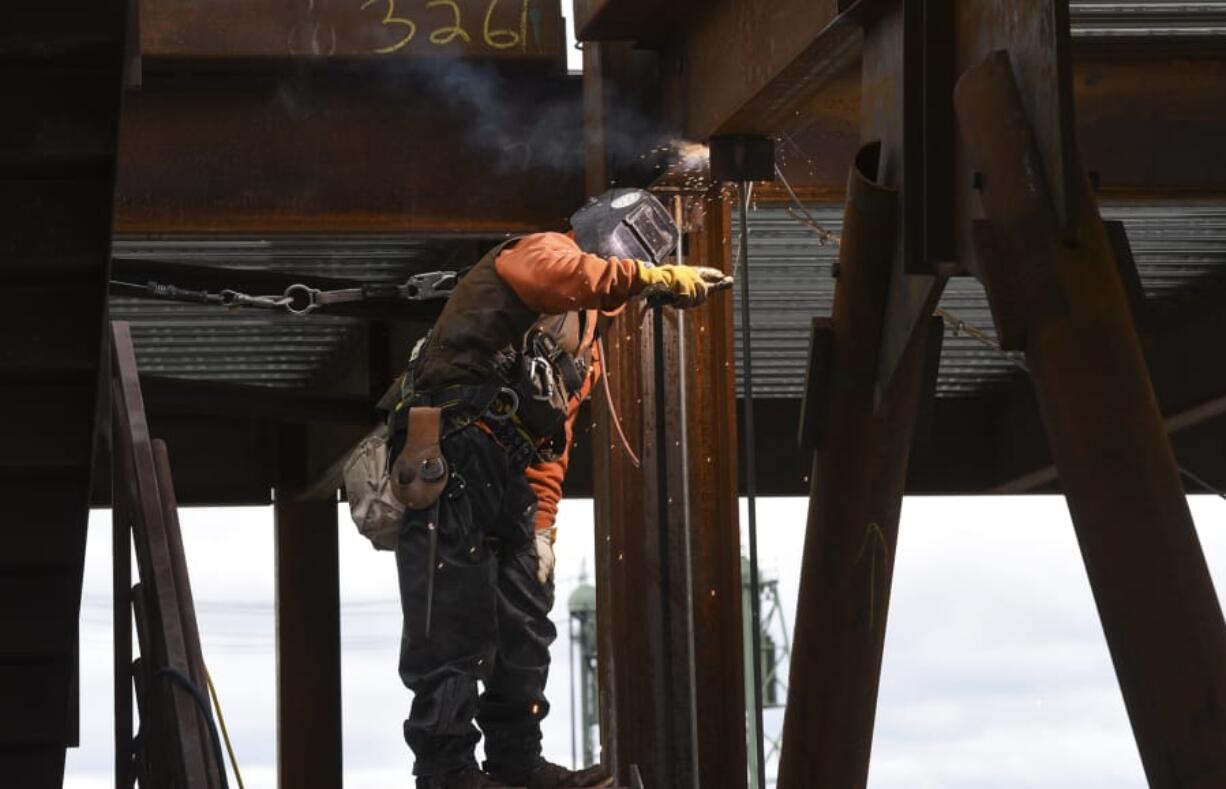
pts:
[489, 619]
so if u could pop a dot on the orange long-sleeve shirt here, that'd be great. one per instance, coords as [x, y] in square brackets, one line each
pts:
[551, 275]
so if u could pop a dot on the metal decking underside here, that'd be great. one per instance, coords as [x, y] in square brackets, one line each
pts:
[1178, 247]
[1099, 19]
[253, 346]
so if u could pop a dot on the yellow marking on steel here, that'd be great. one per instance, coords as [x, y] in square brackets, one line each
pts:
[445, 35]
[390, 19]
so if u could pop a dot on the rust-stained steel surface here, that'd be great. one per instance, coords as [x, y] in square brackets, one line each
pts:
[1155, 598]
[670, 654]
[490, 29]
[643, 21]
[630, 726]
[1148, 128]
[748, 61]
[714, 517]
[645, 537]
[858, 475]
[1036, 35]
[309, 751]
[761, 68]
[906, 106]
[441, 150]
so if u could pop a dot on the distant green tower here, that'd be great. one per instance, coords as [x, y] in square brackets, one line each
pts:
[582, 605]
[775, 645]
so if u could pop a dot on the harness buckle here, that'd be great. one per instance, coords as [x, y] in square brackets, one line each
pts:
[502, 414]
[539, 370]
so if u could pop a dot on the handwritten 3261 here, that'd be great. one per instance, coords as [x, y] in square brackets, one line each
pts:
[449, 25]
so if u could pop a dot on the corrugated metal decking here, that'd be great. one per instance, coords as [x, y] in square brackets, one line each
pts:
[1176, 248]
[253, 346]
[1100, 19]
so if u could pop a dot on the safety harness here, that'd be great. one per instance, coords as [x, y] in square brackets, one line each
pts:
[524, 403]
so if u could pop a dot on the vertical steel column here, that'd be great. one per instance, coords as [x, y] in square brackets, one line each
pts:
[308, 632]
[667, 534]
[713, 513]
[609, 467]
[858, 476]
[1068, 308]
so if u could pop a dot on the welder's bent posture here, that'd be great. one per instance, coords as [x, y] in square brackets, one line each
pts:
[509, 361]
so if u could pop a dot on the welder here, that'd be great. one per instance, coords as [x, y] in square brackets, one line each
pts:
[481, 441]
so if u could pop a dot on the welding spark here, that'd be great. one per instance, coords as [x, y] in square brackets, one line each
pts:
[689, 156]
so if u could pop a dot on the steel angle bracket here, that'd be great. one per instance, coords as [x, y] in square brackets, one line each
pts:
[811, 429]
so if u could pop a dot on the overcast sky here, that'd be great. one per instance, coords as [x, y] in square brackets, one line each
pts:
[996, 673]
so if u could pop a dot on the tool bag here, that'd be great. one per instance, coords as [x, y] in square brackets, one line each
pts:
[380, 490]
[376, 501]
[371, 494]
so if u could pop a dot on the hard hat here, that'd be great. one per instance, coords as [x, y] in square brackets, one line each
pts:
[626, 223]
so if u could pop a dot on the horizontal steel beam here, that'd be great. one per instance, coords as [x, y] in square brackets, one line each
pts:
[1146, 129]
[1181, 345]
[208, 398]
[476, 152]
[762, 66]
[528, 30]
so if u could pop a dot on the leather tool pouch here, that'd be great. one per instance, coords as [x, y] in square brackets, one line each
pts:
[420, 472]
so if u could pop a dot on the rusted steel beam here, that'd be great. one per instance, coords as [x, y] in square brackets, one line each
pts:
[753, 65]
[674, 538]
[605, 461]
[1168, 108]
[626, 639]
[707, 415]
[858, 475]
[668, 556]
[341, 153]
[642, 21]
[1180, 343]
[167, 396]
[232, 462]
[1152, 126]
[906, 105]
[1036, 34]
[309, 751]
[1155, 598]
[224, 29]
[759, 67]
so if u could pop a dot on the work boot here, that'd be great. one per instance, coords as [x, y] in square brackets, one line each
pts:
[467, 778]
[554, 776]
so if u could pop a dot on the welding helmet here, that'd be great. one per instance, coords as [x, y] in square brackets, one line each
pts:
[626, 223]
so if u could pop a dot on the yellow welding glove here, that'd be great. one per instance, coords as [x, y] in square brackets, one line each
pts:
[685, 286]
